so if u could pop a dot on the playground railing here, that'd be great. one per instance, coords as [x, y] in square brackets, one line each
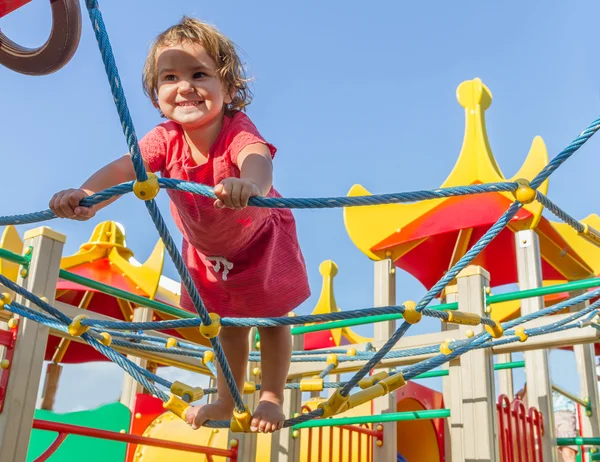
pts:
[520, 431]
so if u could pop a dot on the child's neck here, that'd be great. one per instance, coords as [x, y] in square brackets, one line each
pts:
[200, 140]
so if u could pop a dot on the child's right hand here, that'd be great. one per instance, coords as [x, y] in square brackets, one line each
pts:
[65, 204]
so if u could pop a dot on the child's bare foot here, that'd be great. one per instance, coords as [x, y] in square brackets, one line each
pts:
[219, 410]
[268, 416]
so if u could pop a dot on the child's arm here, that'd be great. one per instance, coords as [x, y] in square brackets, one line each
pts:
[65, 204]
[256, 178]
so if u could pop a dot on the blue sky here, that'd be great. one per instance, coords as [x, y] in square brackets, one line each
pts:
[349, 92]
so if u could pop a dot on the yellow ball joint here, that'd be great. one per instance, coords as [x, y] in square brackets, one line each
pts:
[411, 315]
[333, 359]
[147, 190]
[208, 357]
[445, 346]
[351, 352]
[520, 332]
[240, 423]
[524, 193]
[5, 299]
[75, 328]
[187, 393]
[212, 330]
[177, 406]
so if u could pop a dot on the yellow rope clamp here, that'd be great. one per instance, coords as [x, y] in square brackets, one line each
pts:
[590, 234]
[105, 339]
[212, 330]
[381, 388]
[5, 299]
[147, 190]
[367, 382]
[497, 331]
[520, 332]
[525, 194]
[75, 328]
[411, 315]
[177, 406]
[460, 317]
[249, 387]
[208, 357]
[172, 342]
[351, 352]
[240, 423]
[187, 393]
[445, 346]
[311, 384]
[332, 359]
[335, 404]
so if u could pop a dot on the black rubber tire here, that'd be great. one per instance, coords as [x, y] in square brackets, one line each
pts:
[58, 49]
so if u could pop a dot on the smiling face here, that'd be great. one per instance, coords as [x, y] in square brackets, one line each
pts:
[189, 90]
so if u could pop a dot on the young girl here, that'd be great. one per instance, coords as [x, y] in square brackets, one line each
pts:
[245, 261]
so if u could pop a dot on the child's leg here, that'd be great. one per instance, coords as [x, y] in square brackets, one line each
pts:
[235, 346]
[275, 354]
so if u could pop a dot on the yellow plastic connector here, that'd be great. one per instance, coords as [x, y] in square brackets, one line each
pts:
[187, 393]
[590, 234]
[445, 347]
[177, 406]
[351, 352]
[5, 299]
[105, 339]
[469, 333]
[367, 382]
[497, 331]
[147, 190]
[393, 382]
[172, 342]
[335, 404]
[460, 317]
[381, 388]
[214, 328]
[411, 315]
[249, 387]
[13, 323]
[208, 357]
[240, 423]
[313, 384]
[520, 332]
[75, 328]
[525, 194]
[333, 359]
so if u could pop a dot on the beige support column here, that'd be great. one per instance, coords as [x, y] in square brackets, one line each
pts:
[284, 447]
[450, 296]
[585, 359]
[385, 295]
[131, 387]
[537, 372]
[53, 372]
[247, 441]
[505, 377]
[28, 359]
[473, 404]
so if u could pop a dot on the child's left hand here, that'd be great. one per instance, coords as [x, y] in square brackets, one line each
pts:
[234, 193]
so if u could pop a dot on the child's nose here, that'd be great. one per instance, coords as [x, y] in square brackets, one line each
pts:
[185, 87]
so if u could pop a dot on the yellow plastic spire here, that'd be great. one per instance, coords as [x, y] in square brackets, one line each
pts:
[367, 226]
[12, 242]
[326, 303]
[108, 241]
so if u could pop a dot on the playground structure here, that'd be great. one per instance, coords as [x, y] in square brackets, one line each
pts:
[500, 218]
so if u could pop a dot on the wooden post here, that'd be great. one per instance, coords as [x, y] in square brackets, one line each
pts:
[284, 447]
[247, 441]
[450, 296]
[385, 294]
[505, 377]
[473, 407]
[131, 387]
[28, 359]
[537, 372]
[585, 359]
[53, 372]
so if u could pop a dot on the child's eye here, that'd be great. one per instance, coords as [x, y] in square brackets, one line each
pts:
[199, 75]
[169, 77]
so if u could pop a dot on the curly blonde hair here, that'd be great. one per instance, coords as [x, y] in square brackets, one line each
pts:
[220, 48]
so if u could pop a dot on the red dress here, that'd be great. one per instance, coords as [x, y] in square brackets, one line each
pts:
[244, 263]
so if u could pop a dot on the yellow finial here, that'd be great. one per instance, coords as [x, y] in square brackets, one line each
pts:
[326, 302]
